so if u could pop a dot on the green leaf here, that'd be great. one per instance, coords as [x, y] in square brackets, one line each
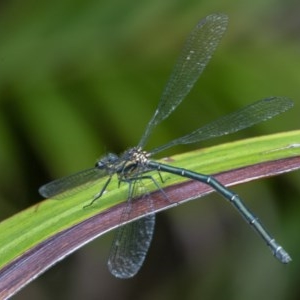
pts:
[38, 237]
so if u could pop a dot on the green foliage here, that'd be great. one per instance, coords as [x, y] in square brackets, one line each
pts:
[38, 226]
[78, 79]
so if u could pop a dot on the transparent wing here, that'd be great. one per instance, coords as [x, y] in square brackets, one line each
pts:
[245, 117]
[197, 51]
[72, 184]
[130, 247]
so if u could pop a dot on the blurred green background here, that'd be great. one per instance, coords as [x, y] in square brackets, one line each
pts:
[80, 78]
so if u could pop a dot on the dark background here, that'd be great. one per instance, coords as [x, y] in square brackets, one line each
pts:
[80, 78]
